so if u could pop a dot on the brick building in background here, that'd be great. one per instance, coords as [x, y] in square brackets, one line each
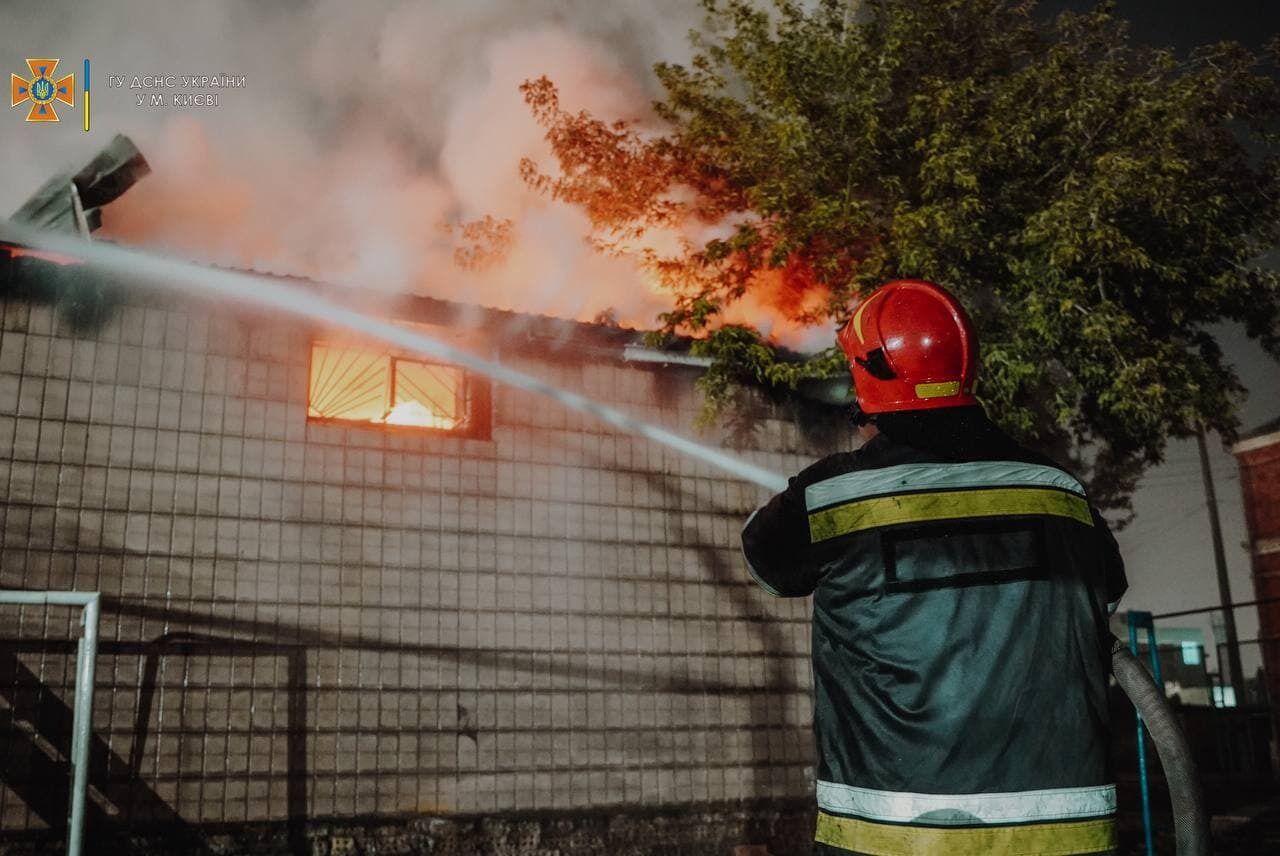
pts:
[314, 612]
[1258, 454]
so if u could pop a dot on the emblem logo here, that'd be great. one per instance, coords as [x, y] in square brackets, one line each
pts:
[42, 90]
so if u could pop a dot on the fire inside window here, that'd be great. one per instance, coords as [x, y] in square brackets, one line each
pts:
[354, 384]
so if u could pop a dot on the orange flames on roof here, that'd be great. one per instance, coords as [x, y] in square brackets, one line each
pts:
[15, 251]
[363, 206]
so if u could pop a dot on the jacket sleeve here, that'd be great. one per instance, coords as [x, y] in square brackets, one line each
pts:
[1114, 581]
[775, 539]
[1111, 576]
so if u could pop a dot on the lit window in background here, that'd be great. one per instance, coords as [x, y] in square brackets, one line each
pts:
[354, 384]
[1190, 653]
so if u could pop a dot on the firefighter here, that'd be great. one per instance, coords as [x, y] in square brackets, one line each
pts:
[961, 589]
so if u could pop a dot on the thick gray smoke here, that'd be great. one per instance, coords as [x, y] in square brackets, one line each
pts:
[362, 131]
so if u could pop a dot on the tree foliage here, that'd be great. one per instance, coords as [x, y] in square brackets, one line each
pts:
[1097, 204]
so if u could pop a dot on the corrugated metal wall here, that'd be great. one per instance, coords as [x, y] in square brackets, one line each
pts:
[323, 620]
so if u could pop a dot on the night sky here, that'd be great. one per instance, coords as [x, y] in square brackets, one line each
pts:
[1185, 23]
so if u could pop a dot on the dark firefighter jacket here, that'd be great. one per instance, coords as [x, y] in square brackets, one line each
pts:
[960, 643]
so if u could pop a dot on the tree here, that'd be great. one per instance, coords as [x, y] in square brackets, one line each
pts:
[1095, 203]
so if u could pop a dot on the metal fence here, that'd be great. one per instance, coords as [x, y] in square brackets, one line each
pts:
[1223, 692]
[76, 738]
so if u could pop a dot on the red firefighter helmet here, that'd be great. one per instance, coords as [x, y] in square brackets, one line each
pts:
[910, 347]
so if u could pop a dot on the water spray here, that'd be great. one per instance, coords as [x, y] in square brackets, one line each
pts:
[160, 273]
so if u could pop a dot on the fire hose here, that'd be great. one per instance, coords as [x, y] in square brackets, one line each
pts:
[1190, 820]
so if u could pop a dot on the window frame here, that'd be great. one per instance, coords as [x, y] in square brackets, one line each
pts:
[476, 422]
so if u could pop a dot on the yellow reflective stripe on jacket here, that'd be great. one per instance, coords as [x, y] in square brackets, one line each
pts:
[1073, 838]
[945, 505]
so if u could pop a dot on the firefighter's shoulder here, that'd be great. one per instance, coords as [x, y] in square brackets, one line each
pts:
[825, 468]
[876, 453]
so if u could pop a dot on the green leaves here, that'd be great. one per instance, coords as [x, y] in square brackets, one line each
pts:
[1096, 204]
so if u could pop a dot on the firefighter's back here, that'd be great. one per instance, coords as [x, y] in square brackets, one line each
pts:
[959, 644]
[961, 586]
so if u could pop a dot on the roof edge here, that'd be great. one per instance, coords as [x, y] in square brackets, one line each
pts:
[1253, 443]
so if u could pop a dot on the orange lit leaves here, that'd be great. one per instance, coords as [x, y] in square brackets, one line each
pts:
[640, 188]
[488, 242]
[621, 180]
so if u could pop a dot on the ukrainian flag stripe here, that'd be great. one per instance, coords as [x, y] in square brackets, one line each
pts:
[905, 478]
[1040, 839]
[86, 94]
[945, 505]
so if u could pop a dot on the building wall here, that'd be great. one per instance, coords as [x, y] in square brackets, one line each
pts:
[334, 621]
[1260, 481]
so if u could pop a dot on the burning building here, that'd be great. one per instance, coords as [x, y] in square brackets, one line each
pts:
[342, 583]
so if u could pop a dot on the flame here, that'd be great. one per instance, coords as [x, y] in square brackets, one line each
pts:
[786, 304]
[366, 206]
[15, 251]
[416, 413]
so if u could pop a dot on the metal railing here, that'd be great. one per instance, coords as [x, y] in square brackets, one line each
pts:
[1142, 621]
[1225, 706]
[82, 721]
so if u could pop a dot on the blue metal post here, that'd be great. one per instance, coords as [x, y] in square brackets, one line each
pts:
[1143, 619]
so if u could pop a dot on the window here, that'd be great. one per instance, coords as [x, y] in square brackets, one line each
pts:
[1190, 654]
[360, 384]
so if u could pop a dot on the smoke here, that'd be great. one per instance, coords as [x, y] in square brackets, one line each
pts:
[365, 131]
